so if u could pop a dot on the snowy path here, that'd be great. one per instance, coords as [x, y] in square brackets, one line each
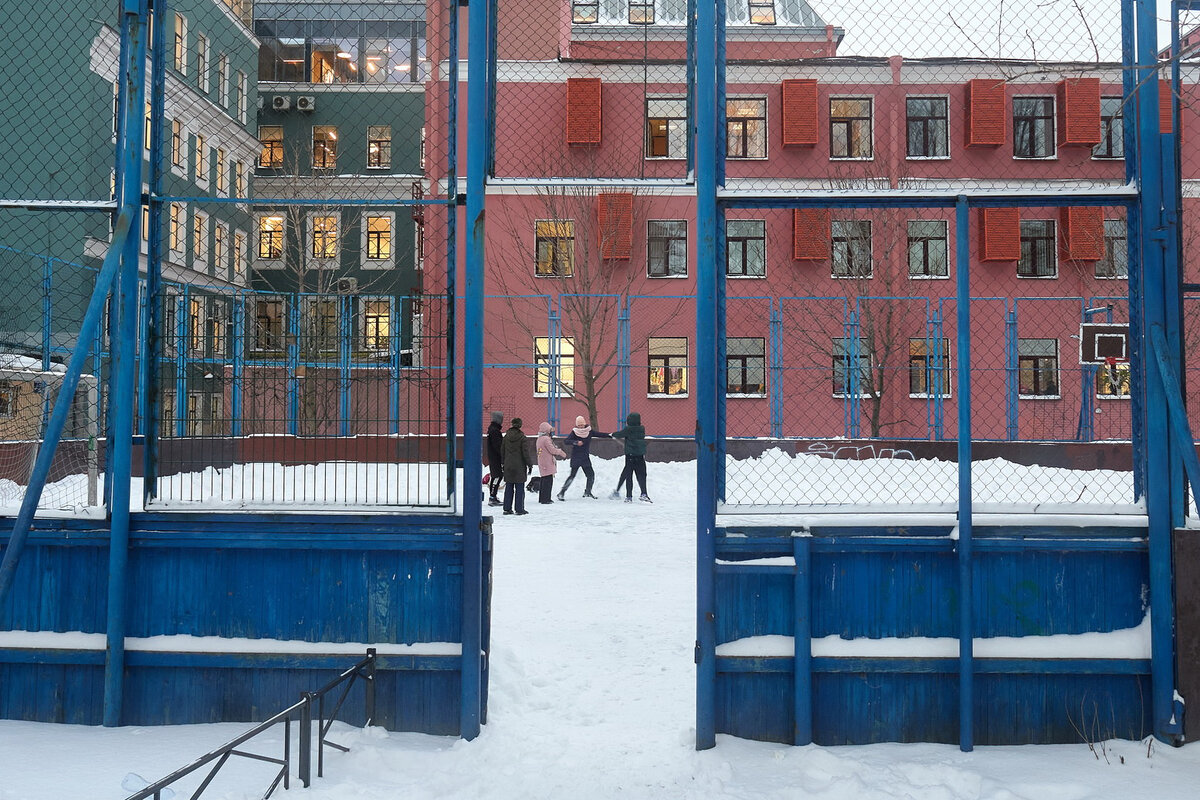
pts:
[592, 696]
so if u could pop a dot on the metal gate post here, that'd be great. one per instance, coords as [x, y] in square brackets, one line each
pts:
[1012, 375]
[966, 653]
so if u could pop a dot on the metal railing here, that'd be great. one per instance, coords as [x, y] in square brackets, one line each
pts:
[302, 712]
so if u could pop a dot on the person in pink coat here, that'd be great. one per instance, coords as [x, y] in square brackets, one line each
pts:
[547, 451]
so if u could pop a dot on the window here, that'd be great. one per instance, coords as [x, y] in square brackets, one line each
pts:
[239, 253]
[145, 226]
[270, 238]
[928, 127]
[851, 248]
[201, 159]
[8, 399]
[668, 367]
[219, 260]
[320, 330]
[555, 245]
[666, 127]
[324, 236]
[762, 12]
[147, 138]
[746, 128]
[239, 179]
[242, 97]
[223, 79]
[641, 12]
[175, 228]
[202, 63]
[180, 60]
[377, 316]
[268, 325]
[196, 324]
[666, 248]
[271, 137]
[217, 327]
[1112, 130]
[166, 412]
[850, 127]
[176, 143]
[745, 248]
[1115, 263]
[745, 366]
[1113, 381]
[927, 256]
[379, 238]
[379, 146]
[222, 172]
[200, 238]
[928, 369]
[585, 11]
[1039, 256]
[1033, 127]
[544, 366]
[851, 370]
[324, 148]
[1037, 367]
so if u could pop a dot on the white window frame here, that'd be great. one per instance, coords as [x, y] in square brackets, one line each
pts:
[243, 97]
[870, 98]
[1057, 368]
[223, 80]
[310, 233]
[270, 263]
[670, 156]
[203, 56]
[1051, 139]
[766, 122]
[540, 350]
[378, 263]
[220, 161]
[220, 255]
[177, 237]
[200, 247]
[180, 44]
[949, 137]
[200, 161]
[650, 367]
[240, 240]
[180, 137]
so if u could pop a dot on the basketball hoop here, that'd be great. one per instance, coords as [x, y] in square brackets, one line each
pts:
[1110, 368]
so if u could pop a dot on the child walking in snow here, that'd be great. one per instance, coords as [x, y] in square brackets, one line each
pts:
[579, 442]
[634, 435]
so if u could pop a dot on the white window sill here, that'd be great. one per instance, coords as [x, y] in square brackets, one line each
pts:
[852, 277]
[745, 277]
[930, 396]
[1039, 397]
[837, 396]
[1111, 277]
[1108, 397]
[683, 396]
[1036, 158]
[379, 169]
[927, 158]
[739, 396]
[928, 277]
[1108, 158]
[746, 158]
[1053, 277]
[665, 277]
[852, 158]
[560, 397]
[666, 158]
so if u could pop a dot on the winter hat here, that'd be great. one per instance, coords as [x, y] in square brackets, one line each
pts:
[545, 428]
[516, 423]
[580, 422]
[497, 417]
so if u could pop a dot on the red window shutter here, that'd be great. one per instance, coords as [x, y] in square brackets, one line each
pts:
[810, 234]
[799, 113]
[999, 234]
[1164, 107]
[615, 218]
[1083, 233]
[1079, 112]
[583, 111]
[986, 123]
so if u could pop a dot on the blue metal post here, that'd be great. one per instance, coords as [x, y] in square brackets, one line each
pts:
[553, 361]
[182, 333]
[966, 651]
[47, 311]
[477, 150]
[802, 641]
[293, 364]
[854, 376]
[1133, 244]
[624, 355]
[238, 346]
[776, 384]
[152, 359]
[704, 93]
[1159, 492]
[941, 377]
[477, 80]
[394, 364]
[1172, 201]
[344, 343]
[123, 385]
[1012, 375]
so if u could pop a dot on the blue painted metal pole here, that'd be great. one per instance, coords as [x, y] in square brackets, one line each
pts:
[181, 334]
[47, 311]
[776, 384]
[966, 651]
[394, 363]
[1158, 468]
[153, 341]
[239, 362]
[344, 344]
[473, 291]
[477, 51]
[1133, 242]
[802, 641]
[704, 93]
[624, 354]
[124, 383]
[293, 360]
[1012, 375]
[940, 367]
[92, 318]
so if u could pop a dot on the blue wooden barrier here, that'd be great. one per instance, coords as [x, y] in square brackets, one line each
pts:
[318, 579]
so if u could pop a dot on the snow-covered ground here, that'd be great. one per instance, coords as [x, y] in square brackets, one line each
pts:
[592, 696]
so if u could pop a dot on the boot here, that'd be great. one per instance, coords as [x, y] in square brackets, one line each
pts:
[561, 495]
[646, 498]
[589, 494]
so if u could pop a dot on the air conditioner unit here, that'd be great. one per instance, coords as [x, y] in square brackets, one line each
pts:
[306, 102]
[281, 102]
[347, 285]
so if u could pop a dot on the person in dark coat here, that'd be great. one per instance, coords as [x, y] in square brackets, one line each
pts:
[635, 458]
[495, 454]
[579, 445]
[517, 466]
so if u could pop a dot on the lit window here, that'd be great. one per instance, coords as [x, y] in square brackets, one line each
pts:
[850, 127]
[324, 147]
[1039, 256]
[1112, 380]
[200, 237]
[851, 370]
[927, 257]
[176, 143]
[1033, 127]
[762, 12]
[1115, 263]
[239, 179]
[219, 247]
[668, 366]
[239, 253]
[545, 362]
[8, 399]
[666, 127]
[201, 159]
[379, 146]
[268, 325]
[202, 63]
[585, 11]
[927, 125]
[746, 128]
[222, 174]
[641, 12]
[851, 248]
[377, 316]
[928, 369]
[379, 238]
[196, 324]
[271, 138]
[745, 366]
[270, 238]
[555, 247]
[324, 237]
[1112, 129]
[666, 248]
[746, 248]
[180, 60]
[217, 326]
[175, 228]
[1037, 367]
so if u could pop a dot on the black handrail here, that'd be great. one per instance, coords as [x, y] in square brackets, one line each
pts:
[302, 710]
